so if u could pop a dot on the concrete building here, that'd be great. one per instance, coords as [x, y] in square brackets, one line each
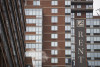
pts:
[63, 30]
[12, 33]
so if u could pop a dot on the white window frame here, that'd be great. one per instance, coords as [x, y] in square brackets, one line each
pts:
[67, 10]
[67, 52]
[36, 3]
[54, 19]
[54, 28]
[54, 44]
[54, 52]
[67, 2]
[78, 6]
[67, 44]
[54, 36]
[54, 10]
[78, 14]
[54, 60]
[54, 2]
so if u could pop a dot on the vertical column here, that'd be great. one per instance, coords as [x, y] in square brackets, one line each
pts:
[68, 32]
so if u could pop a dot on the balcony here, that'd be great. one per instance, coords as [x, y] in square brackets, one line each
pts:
[81, 10]
[80, 2]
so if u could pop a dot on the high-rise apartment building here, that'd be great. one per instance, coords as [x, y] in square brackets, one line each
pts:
[12, 33]
[65, 30]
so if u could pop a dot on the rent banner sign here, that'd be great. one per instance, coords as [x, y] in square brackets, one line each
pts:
[80, 44]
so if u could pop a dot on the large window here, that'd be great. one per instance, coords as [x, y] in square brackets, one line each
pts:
[36, 2]
[89, 6]
[30, 29]
[78, 6]
[54, 19]
[89, 15]
[54, 28]
[67, 2]
[67, 36]
[96, 31]
[38, 38]
[54, 44]
[87, 30]
[54, 36]
[67, 28]
[67, 19]
[54, 10]
[67, 44]
[38, 22]
[34, 45]
[54, 2]
[38, 30]
[54, 52]
[88, 38]
[54, 60]
[67, 52]
[33, 12]
[78, 14]
[67, 10]
[67, 60]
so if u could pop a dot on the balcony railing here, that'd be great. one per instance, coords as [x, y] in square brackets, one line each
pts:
[88, 2]
[81, 10]
[81, 0]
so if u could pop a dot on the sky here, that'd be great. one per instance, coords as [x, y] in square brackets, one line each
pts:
[96, 5]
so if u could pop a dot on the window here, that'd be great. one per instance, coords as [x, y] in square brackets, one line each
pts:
[37, 12]
[67, 3]
[72, 47]
[67, 35]
[28, 66]
[78, 6]
[38, 30]
[88, 6]
[88, 22]
[67, 52]
[54, 19]
[54, 2]
[78, 14]
[38, 22]
[72, 6]
[72, 15]
[54, 60]
[30, 37]
[72, 31]
[67, 19]
[66, 60]
[89, 15]
[54, 35]
[67, 28]
[54, 52]
[34, 45]
[54, 28]
[54, 44]
[96, 30]
[88, 38]
[36, 3]
[38, 38]
[67, 10]
[54, 10]
[30, 21]
[87, 30]
[67, 44]
[30, 29]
